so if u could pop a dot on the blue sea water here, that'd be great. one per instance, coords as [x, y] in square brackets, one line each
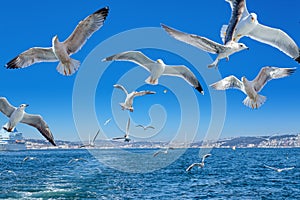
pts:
[227, 174]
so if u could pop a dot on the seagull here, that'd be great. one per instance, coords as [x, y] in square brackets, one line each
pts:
[198, 164]
[252, 88]
[76, 160]
[92, 143]
[205, 44]
[5, 172]
[165, 151]
[61, 51]
[157, 68]
[130, 96]
[107, 121]
[279, 169]
[126, 136]
[145, 127]
[29, 158]
[244, 23]
[17, 115]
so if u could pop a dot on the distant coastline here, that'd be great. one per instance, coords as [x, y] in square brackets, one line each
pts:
[276, 141]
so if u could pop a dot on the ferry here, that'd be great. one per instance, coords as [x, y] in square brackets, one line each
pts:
[11, 141]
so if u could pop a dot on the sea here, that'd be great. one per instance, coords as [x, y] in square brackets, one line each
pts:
[119, 174]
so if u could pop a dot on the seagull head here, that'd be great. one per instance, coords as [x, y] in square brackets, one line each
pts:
[160, 61]
[242, 46]
[23, 106]
[55, 39]
[253, 18]
[131, 109]
[244, 79]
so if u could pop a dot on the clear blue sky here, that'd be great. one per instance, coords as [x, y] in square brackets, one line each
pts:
[25, 24]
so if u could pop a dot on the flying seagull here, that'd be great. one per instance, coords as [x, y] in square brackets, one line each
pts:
[130, 96]
[165, 151]
[17, 115]
[252, 88]
[29, 158]
[92, 143]
[61, 51]
[205, 44]
[198, 164]
[157, 68]
[76, 160]
[244, 23]
[126, 136]
[107, 121]
[279, 169]
[145, 127]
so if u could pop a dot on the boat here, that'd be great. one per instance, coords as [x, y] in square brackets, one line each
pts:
[11, 141]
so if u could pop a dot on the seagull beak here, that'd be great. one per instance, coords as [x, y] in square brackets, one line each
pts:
[26, 105]
[248, 48]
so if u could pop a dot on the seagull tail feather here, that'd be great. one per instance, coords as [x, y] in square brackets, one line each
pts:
[254, 104]
[68, 68]
[150, 81]
[7, 128]
[298, 58]
[223, 32]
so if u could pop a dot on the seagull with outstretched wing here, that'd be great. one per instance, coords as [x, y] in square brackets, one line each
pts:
[279, 169]
[17, 115]
[92, 143]
[145, 127]
[244, 23]
[61, 51]
[205, 44]
[252, 88]
[130, 96]
[201, 165]
[126, 136]
[158, 68]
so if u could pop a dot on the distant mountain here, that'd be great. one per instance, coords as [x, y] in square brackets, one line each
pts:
[276, 141]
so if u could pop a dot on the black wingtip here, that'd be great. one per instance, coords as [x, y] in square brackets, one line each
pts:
[200, 89]
[104, 11]
[292, 70]
[12, 64]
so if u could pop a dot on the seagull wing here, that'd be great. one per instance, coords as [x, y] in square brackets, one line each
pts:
[184, 73]
[205, 156]
[156, 153]
[32, 56]
[228, 83]
[136, 57]
[142, 93]
[121, 87]
[140, 126]
[96, 135]
[150, 127]
[274, 168]
[38, 122]
[195, 40]
[276, 38]
[191, 166]
[85, 29]
[5, 107]
[238, 7]
[268, 73]
[127, 128]
[288, 168]
[118, 138]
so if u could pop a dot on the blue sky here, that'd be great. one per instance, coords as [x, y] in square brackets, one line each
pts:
[32, 23]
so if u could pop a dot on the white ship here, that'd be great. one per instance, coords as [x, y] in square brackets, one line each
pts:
[11, 141]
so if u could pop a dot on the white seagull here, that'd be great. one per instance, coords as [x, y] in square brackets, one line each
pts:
[92, 143]
[158, 68]
[198, 164]
[130, 96]
[244, 23]
[76, 160]
[223, 51]
[61, 51]
[107, 121]
[145, 127]
[164, 151]
[17, 115]
[279, 169]
[29, 158]
[252, 88]
[126, 136]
